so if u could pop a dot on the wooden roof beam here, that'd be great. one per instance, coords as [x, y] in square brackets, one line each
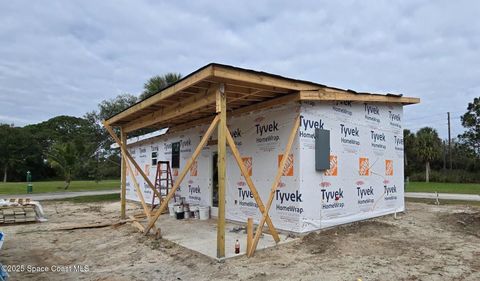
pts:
[188, 105]
[328, 94]
[237, 112]
[259, 79]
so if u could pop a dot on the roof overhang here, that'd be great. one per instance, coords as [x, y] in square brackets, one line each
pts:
[191, 100]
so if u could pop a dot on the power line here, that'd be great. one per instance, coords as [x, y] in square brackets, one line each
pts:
[432, 115]
[436, 119]
[449, 141]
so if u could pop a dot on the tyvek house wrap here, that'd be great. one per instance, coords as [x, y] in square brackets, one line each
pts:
[306, 199]
[365, 178]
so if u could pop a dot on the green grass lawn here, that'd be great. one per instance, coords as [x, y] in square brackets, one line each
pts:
[464, 188]
[57, 186]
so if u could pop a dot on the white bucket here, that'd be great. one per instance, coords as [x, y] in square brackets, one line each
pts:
[204, 212]
[186, 214]
[194, 211]
[178, 208]
[171, 209]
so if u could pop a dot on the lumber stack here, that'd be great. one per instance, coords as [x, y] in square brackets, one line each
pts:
[17, 214]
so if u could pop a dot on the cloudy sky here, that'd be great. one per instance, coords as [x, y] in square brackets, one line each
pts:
[64, 57]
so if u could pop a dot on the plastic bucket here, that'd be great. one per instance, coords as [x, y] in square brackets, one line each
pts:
[178, 208]
[194, 212]
[171, 209]
[180, 215]
[204, 212]
[186, 210]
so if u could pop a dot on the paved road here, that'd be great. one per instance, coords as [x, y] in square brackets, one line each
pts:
[444, 196]
[63, 195]
[59, 195]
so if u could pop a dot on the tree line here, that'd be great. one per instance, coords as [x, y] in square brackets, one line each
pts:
[66, 147]
[427, 157]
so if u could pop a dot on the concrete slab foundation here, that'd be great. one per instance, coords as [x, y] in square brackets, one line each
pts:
[201, 236]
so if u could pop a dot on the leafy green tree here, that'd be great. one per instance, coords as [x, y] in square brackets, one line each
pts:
[471, 121]
[158, 83]
[68, 159]
[106, 109]
[464, 157]
[105, 162]
[61, 132]
[409, 147]
[62, 129]
[18, 151]
[427, 147]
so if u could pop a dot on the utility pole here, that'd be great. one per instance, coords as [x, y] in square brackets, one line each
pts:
[444, 156]
[449, 142]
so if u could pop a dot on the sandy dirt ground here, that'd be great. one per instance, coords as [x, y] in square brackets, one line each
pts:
[427, 242]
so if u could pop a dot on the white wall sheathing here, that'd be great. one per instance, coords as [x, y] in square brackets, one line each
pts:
[366, 163]
[306, 199]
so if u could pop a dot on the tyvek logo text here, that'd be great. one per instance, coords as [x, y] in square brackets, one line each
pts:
[372, 113]
[307, 125]
[350, 135]
[267, 128]
[332, 199]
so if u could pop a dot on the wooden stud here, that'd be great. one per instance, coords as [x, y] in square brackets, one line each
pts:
[123, 147]
[138, 190]
[182, 107]
[253, 189]
[221, 105]
[249, 233]
[279, 174]
[266, 104]
[137, 224]
[123, 138]
[182, 175]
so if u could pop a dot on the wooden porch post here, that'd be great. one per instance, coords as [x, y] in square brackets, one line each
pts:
[221, 104]
[123, 137]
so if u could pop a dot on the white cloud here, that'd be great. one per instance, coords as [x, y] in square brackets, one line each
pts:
[63, 57]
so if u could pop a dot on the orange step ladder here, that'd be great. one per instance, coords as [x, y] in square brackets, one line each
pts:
[163, 181]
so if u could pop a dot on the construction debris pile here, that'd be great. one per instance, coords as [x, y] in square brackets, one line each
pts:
[14, 211]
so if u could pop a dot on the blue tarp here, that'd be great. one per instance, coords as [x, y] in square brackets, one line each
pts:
[3, 273]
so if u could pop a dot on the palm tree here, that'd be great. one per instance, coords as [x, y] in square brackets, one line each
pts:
[427, 145]
[158, 83]
[68, 158]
